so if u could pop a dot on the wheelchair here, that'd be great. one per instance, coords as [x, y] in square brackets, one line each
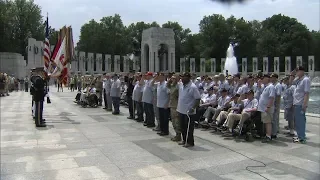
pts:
[91, 100]
[249, 130]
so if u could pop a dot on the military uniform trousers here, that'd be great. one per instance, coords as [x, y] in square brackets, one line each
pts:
[175, 120]
[38, 112]
[107, 100]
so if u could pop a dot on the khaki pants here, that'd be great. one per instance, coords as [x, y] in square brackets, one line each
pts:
[237, 117]
[175, 120]
[222, 116]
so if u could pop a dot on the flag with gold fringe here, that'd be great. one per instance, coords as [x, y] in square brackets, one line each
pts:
[62, 55]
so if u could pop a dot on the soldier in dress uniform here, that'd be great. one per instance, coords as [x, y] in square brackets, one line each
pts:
[38, 92]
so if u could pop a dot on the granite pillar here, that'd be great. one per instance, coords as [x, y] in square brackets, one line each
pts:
[244, 66]
[192, 65]
[213, 65]
[299, 61]
[116, 64]
[202, 65]
[311, 66]
[182, 64]
[276, 65]
[254, 64]
[90, 63]
[82, 62]
[99, 63]
[223, 61]
[287, 64]
[265, 65]
[108, 63]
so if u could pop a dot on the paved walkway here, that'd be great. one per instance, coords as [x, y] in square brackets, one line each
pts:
[87, 143]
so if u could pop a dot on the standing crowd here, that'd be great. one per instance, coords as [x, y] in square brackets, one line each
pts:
[224, 103]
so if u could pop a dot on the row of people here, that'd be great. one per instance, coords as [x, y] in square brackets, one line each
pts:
[219, 102]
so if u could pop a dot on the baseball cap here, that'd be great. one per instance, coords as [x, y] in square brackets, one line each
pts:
[186, 74]
[300, 68]
[274, 75]
[149, 74]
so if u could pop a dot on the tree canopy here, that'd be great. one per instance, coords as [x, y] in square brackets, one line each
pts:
[276, 36]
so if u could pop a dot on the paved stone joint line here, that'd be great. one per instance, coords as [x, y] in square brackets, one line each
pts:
[90, 143]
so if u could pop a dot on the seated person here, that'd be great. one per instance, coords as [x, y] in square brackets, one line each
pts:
[235, 107]
[91, 90]
[210, 99]
[250, 105]
[212, 113]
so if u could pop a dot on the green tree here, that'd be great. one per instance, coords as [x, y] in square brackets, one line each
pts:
[19, 20]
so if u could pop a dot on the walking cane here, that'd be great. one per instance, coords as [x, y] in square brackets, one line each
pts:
[189, 119]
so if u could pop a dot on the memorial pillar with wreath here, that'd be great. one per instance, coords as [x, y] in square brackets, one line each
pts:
[223, 62]
[192, 65]
[202, 66]
[311, 66]
[82, 65]
[265, 65]
[276, 65]
[107, 63]
[213, 65]
[90, 63]
[116, 63]
[299, 61]
[287, 61]
[254, 65]
[99, 63]
[244, 66]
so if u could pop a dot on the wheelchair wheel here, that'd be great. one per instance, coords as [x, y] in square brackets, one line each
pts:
[249, 137]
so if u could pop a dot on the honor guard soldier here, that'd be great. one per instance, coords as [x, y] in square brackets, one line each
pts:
[38, 91]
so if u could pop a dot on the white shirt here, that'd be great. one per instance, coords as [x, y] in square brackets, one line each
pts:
[93, 90]
[249, 104]
[222, 101]
[162, 95]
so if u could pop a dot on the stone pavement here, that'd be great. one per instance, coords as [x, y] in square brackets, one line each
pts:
[88, 143]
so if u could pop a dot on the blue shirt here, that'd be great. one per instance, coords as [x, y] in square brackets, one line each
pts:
[303, 86]
[147, 95]
[267, 93]
[137, 92]
[188, 95]
[288, 96]
[162, 95]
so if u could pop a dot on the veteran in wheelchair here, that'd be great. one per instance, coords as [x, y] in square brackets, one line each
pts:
[89, 97]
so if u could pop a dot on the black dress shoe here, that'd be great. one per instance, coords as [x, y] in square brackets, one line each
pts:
[274, 137]
[115, 113]
[130, 117]
[188, 145]
[145, 124]
[139, 120]
[151, 125]
[163, 134]
[105, 108]
[41, 125]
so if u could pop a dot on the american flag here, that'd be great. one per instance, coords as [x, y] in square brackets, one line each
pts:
[46, 49]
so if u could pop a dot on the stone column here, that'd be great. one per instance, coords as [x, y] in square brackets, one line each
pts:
[202, 66]
[82, 65]
[99, 63]
[126, 64]
[299, 61]
[276, 65]
[116, 64]
[213, 65]
[311, 66]
[38, 54]
[31, 55]
[223, 61]
[158, 63]
[287, 65]
[74, 65]
[90, 63]
[265, 65]
[254, 65]
[244, 66]
[172, 61]
[108, 62]
[164, 62]
[182, 64]
[192, 65]
[137, 64]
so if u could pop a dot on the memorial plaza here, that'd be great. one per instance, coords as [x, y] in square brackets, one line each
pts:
[91, 143]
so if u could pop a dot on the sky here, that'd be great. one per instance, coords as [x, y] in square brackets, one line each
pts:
[187, 12]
